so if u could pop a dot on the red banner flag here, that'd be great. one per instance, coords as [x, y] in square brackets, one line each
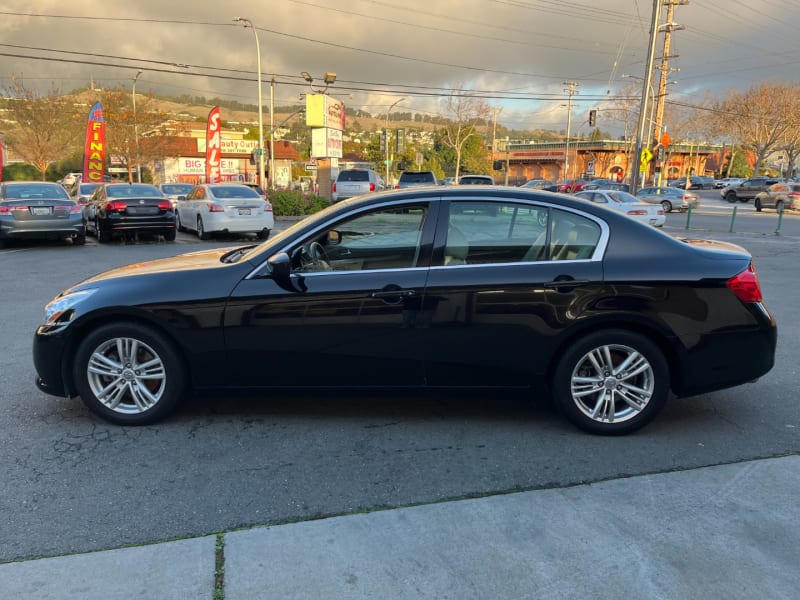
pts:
[94, 149]
[213, 146]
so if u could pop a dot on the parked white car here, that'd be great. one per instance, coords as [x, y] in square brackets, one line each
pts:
[224, 208]
[651, 214]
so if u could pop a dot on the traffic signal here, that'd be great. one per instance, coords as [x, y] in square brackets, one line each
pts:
[383, 143]
[499, 165]
[592, 117]
[400, 141]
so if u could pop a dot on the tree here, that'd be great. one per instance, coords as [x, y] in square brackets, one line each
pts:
[46, 127]
[466, 111]
[125, 130]
[760, 117]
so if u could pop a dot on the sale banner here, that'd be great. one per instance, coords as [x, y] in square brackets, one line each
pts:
[94, 149]
[213, 146]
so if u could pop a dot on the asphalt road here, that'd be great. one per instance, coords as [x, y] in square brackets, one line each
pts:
[73, 483]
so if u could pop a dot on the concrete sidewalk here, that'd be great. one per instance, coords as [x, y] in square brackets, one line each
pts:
[730, 531]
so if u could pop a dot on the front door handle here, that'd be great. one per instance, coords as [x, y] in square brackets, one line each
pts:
[394, 293]
[567, 283]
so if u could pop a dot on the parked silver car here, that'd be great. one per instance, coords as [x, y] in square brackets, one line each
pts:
[39, 210]
[671, 198]
[355, 182]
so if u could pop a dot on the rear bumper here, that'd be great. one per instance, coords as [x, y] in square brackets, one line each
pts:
[160, 224]
[51, 229]
[223, 223]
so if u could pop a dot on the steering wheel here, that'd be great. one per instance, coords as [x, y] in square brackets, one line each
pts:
[319, 257]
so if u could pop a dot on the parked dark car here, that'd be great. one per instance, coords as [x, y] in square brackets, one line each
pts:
[118, 209]
[540, 184]
[476, 180]
[695, 182]
[416, 179]
[445, 287]
[39, 210]
[780, 196]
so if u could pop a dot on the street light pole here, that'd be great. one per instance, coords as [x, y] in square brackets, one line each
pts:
[386, 130]
[249, 23]
[136, 128]
[571, 85]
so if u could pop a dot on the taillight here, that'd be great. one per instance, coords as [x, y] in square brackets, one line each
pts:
[745, 285]
[371, 187]
[215, 207]
[75, 209]
[268, 206]
[660, 211]
[116, 206]
[637, 212]
[397, 187]
[165, 205]
[4, 210]
[794, 194]
[334, 186]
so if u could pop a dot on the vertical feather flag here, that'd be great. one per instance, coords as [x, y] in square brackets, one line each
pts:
[213, 147]
[94, 149]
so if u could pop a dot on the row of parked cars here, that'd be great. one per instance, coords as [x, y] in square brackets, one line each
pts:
[42, 210]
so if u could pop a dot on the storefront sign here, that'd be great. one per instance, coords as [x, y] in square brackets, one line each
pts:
[197, 166]
[324, 111]
[229, 146]
[326, 143]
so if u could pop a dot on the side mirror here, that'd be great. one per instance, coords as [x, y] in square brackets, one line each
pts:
[280, 265]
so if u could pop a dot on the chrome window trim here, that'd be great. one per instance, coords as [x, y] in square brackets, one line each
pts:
[597, 256]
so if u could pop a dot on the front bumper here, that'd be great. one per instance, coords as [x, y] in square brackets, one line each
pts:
[49, 350]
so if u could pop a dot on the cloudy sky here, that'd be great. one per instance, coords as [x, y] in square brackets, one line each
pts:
[517, 53]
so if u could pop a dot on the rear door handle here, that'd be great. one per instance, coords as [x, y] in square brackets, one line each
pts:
[398, 293]
[560, 284]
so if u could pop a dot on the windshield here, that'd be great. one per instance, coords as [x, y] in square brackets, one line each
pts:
[233, 191]
[35, 190]
[133, 190]
[177, 189]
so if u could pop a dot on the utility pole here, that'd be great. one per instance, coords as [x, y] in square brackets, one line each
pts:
[669, 27]
[648, 77]
[570, 89]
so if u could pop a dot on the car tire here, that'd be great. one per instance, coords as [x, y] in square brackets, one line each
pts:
[79, 240]
[730, 197]
[169, 236]
[263, 234]
[201, 232]
[667, 205]
[581, 392]
[113, 388]
[102, 236]
[179, 226]
[757, 204]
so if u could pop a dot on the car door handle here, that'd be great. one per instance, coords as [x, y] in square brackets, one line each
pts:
[394, 293]
[566, 283]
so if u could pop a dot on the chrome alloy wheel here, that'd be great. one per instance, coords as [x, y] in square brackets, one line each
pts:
[612, 383]
[126, 375]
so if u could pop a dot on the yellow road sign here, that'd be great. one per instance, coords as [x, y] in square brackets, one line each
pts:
[646, 156]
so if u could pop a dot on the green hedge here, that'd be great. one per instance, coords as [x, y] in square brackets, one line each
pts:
[287, 203]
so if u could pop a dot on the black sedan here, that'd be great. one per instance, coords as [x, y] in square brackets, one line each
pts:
[448, 287]
[39, 210]
[119, 209]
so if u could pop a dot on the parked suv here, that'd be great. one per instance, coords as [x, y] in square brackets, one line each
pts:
[354, 182]
[416, 179]
[780, 196]
[748, 189]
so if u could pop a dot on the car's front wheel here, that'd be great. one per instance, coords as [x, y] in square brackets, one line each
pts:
[611, 382]
[129, 373]
[667, 206]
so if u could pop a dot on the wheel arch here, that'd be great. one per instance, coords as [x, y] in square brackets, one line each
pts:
[648, 330]
[95, 321]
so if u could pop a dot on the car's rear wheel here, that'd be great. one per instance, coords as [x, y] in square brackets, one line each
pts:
[79, 240]
[730, 197]
[611, 382]
[263, 234]
[667, 205]
[129, 373]
[170, 236]
[757, 204]
[201, 232]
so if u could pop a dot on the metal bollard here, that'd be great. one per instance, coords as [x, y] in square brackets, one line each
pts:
[780, 220]
[733, 219]
[688, 216]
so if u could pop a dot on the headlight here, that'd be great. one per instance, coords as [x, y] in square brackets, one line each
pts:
[60, 309]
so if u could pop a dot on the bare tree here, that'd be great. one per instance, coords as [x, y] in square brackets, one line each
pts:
[466, 111]
[758, 117]
[46, 126]
[790, 144]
